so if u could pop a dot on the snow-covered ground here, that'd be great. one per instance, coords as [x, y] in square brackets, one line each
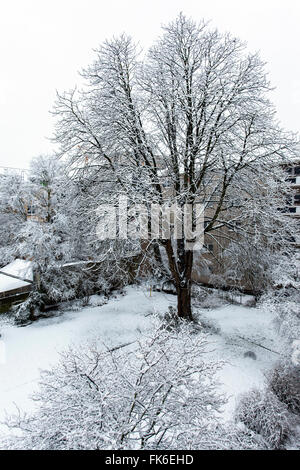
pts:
[238, 330]
[20, 268]
[120, 321]
[28, 349]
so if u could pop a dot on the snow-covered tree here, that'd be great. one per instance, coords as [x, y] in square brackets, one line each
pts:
[13, 212]
[44, 236]
[180, 125]
[260, 252]
[47, 184]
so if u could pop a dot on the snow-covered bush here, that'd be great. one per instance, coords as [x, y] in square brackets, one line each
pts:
[262, 412]
[29, 310]
[155, 394]
[13, 213]
[206, 298]
[284, 381]
[58, 285]
[285, 305]
[257, 266]
[199, 293]
[170, 318]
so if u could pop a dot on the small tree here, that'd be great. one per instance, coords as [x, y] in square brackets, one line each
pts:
[45, 236]
[13, 212]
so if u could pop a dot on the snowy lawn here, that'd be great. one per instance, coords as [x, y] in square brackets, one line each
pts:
[37, 346]
[234, 330]
[28, 349]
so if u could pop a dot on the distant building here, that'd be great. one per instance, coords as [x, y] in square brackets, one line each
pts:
[293, 172]
[5, 170]
[23, 174]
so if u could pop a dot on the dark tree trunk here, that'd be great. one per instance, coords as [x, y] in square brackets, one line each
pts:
[184, 267]
[184, 308]
[181, 270]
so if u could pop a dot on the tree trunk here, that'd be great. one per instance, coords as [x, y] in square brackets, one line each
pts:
[184, 286]
[184, 308]
[181, 270]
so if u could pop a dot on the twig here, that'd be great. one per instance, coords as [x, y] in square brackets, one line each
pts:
[259, 345]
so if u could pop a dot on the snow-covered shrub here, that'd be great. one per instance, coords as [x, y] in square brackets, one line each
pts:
[284, 381]
[58, 285]
[28, 311]
[170, 319]
[262, 412]
[156, 394]
[204, 297]
[163, 285]
[53, 286]
[285, 305]
[199, 293]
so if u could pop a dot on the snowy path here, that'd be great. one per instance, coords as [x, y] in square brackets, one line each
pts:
[120, 321]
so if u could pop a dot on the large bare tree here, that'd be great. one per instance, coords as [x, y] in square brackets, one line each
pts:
[190, 121]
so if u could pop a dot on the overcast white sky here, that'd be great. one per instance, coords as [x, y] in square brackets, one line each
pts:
[43, 44]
